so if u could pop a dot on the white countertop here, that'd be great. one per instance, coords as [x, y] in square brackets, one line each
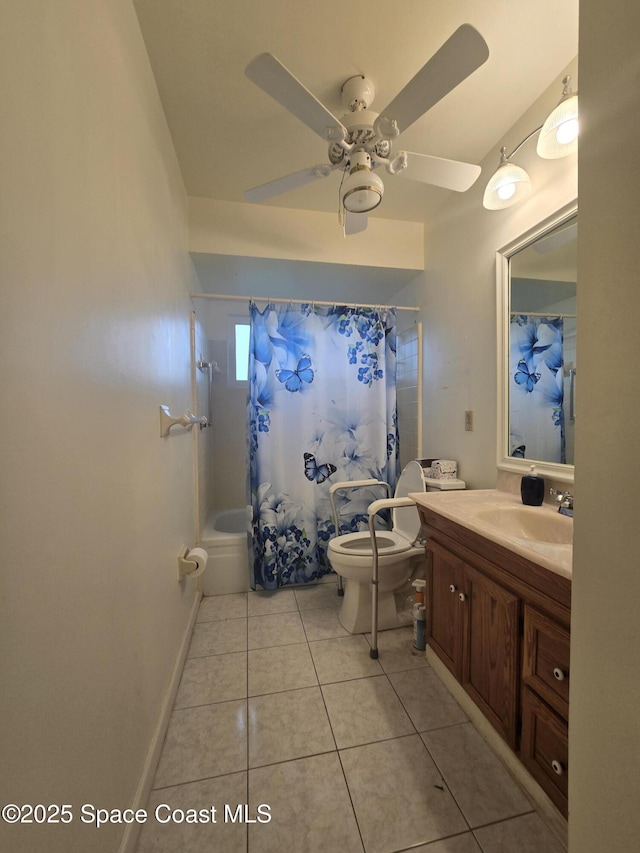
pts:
[467, 509]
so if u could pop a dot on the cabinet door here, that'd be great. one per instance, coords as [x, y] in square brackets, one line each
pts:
[444, 585]
[491, 650]
[544, 749]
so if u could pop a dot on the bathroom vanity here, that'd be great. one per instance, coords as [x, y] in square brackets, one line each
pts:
[498, 618]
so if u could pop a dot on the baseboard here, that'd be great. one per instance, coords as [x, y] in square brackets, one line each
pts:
[547, 810]
[132, 831]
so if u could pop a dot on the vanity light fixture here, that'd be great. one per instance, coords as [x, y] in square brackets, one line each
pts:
[509, 182]
[558, 138]
[559, 134]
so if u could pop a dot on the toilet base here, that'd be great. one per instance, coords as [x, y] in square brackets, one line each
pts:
[355, 613]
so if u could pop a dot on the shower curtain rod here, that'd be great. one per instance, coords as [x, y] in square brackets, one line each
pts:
[545, 314]
[312, 301]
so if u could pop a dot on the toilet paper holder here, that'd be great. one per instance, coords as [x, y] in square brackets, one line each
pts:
[189, 563]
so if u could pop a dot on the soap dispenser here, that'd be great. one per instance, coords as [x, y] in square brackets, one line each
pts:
[532, 488]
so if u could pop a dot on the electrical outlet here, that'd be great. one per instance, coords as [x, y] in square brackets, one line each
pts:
[468, 421]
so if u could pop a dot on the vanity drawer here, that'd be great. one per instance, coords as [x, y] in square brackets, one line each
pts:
[544, 747]
[545, 666]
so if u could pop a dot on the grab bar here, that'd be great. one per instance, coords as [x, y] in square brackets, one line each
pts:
[210, 367]
[572, 394]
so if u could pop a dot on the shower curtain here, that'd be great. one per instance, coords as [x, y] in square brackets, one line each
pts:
[321, 409]
[536, 418]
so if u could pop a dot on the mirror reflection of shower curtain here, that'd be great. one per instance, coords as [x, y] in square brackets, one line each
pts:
[321, 409]
[536, 379]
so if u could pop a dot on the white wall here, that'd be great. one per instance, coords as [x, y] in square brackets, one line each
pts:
[604, 740]
[458, 295]
[95, 335]
[250, 230]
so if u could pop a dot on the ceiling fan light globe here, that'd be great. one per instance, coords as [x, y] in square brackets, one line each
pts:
[362, 191]
[362, 199]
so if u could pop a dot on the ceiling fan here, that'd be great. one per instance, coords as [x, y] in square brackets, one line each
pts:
[361, 141]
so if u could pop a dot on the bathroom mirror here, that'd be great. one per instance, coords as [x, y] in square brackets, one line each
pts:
[536, 288]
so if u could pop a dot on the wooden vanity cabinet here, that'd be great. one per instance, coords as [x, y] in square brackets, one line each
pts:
[500, 624]
[472, 625]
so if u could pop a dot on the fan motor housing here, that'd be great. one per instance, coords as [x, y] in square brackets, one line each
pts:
[357, 92]
[360, 134]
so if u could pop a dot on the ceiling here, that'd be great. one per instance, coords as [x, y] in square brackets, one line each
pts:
[230, 136]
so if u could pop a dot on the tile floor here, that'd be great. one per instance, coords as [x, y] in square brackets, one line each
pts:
[280, 707]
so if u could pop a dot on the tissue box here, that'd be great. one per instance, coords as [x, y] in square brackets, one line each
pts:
[444, 469]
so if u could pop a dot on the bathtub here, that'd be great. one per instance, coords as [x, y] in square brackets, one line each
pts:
[225, 540]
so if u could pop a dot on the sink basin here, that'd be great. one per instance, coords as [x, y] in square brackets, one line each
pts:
[540, 534]
[531, 523]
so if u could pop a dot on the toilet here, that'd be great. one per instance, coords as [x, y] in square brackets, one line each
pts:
[399, 562]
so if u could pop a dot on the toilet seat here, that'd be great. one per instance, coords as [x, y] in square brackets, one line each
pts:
[359, 544]
[356, 549]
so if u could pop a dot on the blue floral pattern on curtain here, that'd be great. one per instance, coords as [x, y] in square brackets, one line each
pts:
[321, 409]
[536, 388]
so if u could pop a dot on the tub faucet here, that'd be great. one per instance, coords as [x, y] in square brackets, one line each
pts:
[565, 501]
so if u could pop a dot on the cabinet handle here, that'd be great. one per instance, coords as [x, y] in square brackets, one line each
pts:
[462, 596]
[452, 588]
[557, 768]
[558, 674]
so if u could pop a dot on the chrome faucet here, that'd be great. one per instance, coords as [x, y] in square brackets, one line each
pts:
[565, 501]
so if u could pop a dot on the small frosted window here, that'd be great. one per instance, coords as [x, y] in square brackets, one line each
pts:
[242, 352]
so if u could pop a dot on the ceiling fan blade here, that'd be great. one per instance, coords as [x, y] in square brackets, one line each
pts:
[271, 76]
[450, 174]
[458, 57]
[355, 222]
[288, 182]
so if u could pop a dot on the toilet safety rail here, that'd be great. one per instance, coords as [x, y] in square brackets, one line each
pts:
[350, 484]
[373, 509]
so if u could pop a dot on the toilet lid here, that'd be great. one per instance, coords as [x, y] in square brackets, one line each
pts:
[406, 520]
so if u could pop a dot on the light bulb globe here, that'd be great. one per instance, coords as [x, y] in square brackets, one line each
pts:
[559, 134]
[508, 185]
